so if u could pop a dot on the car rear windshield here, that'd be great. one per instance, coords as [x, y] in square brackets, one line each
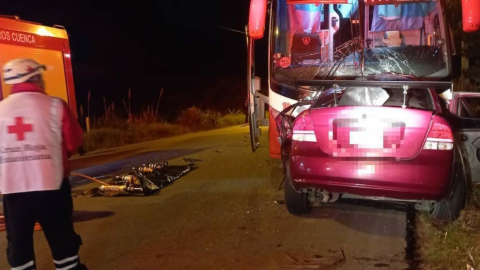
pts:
[416, 98]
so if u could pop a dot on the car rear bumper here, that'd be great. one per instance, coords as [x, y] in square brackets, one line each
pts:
[425, 177]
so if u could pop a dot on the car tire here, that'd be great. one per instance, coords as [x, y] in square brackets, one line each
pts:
[449, 209]
[297, 203]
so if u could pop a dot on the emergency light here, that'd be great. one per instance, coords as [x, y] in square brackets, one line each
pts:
[471, 15]
[256, 22]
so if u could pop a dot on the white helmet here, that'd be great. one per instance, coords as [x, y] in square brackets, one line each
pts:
[19, 70]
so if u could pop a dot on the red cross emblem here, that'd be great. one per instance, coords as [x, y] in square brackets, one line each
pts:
[20, 128]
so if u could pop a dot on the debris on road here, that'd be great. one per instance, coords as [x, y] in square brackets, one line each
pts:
[142, 181]
[192, 160]
[280, 201]
[330, 261]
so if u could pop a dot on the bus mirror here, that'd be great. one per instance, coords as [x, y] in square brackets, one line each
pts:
[471, 15]
[256, 21]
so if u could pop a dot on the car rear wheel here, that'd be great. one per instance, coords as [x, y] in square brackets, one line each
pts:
[297, 202]
[450, 208]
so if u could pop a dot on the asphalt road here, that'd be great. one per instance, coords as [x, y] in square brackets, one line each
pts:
[227, 214]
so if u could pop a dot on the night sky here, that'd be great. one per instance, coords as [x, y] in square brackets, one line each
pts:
[147, 45]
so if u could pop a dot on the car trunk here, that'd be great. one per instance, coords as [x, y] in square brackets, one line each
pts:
[371, 131]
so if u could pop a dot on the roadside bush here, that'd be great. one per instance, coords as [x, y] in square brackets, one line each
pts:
[102, 138]
[231, 120]
[190, 117]
[105, 138]
[196, 119]
[113, 121]
[465, 84]
[208, 120]
[113, 131]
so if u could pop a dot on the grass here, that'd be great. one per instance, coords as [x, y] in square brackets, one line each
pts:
[110, 131]
[196, 119]
[231, 120]
[101, 138]
[452, 246]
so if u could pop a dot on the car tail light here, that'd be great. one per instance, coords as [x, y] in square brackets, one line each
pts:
[439, 137]
[303, 129]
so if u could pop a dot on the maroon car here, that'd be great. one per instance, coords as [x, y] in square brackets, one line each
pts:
[381, 143]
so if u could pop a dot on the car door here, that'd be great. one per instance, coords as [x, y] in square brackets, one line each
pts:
[466, 124]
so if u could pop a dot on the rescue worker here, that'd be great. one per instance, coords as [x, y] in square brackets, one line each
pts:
[37, 135]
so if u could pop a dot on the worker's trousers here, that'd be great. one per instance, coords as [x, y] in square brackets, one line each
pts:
[53, 210]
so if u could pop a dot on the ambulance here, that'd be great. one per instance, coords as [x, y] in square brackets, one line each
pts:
[48, 46]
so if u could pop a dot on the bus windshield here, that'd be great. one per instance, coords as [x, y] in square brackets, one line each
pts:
[406, 41]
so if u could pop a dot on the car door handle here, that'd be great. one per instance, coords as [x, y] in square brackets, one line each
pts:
[463, 137]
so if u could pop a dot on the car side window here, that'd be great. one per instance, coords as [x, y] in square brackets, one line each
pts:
[469, 107]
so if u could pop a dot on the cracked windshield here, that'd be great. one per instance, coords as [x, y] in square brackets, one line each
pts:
[356, 39]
